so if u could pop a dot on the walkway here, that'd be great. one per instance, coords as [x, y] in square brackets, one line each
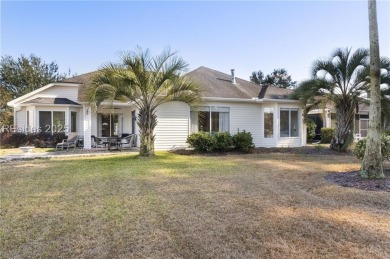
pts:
[70, 153]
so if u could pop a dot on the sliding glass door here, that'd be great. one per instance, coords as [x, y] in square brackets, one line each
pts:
[109, 125]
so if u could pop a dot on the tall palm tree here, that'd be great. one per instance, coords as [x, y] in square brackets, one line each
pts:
[147, 82]
[372, 162]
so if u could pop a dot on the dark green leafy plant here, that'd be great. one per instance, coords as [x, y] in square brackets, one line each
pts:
[311, 130]
[223, 142]
[201, 141]
[361, 147]
[327, 135]
[18, 139]
[243, 142]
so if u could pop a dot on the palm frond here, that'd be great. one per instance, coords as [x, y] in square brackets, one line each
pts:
[357, 61]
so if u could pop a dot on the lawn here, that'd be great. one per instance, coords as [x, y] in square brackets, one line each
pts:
[238, 206]
[18, 151]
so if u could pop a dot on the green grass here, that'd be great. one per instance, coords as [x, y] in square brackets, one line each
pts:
[242, 206]
[15, 151]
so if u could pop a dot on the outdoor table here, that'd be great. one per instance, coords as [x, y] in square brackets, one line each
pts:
[111, 142]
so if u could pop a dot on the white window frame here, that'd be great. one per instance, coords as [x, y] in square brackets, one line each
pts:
[210, 111]
[273, 121]
[51, 121]
[360, 125]
[289, 122]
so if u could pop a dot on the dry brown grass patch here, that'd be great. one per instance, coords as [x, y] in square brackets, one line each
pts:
[241, 206]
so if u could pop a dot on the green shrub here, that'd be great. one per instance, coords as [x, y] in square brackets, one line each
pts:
[386, 132]
[360, 148]
[310, 130]
[327, 135]
[12, 139]
[243, 142]
[223, 142]
[42, 139]
[201, 141]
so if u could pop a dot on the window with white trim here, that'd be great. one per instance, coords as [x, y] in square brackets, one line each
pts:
[289, 123]
[210, 119]
[52, 121]
[268, 122]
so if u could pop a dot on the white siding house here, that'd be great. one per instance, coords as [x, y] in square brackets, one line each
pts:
[229, 104]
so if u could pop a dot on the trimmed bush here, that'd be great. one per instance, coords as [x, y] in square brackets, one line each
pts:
[243, 142]
[42, 139]
[310, 130]
[10, 140]
[223, 142]
[201, 141]
[360, 147]
[327, 135]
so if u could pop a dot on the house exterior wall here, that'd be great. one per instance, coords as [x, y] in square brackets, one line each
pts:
[243, 116]
[250, 117]
[69, 92]
[174, 123]
[173, 120]
[20, 118]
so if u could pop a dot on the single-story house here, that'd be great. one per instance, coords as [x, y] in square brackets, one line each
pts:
[229, 104]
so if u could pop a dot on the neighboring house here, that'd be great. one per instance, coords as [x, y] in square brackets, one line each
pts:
[327, 118]
[229, 104]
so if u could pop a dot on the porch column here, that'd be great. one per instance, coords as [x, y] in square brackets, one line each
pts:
[87, 123]
[67, 118]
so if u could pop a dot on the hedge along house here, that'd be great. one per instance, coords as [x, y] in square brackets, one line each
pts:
[229, 104]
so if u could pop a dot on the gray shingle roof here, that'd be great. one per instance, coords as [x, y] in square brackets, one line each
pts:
[44, 100]
[214, 84]
[218, 84]
[84, 80]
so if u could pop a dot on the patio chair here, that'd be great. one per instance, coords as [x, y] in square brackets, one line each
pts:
[97, 142]
[127, 141]
[71, 141]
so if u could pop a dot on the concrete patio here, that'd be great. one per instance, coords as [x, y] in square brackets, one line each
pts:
[64, 153]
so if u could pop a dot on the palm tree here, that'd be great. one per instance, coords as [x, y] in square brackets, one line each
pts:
[372, 162]
[341, 80]
[147, 82]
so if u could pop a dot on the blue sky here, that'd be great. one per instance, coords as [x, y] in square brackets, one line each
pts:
[247, 36]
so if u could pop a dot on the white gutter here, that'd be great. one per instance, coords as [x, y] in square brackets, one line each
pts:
[47, 104]
[110, 104]
[220, 99]
[280, 100]
[14, 102]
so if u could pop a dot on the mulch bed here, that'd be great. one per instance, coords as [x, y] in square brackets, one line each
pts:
[354, 180]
